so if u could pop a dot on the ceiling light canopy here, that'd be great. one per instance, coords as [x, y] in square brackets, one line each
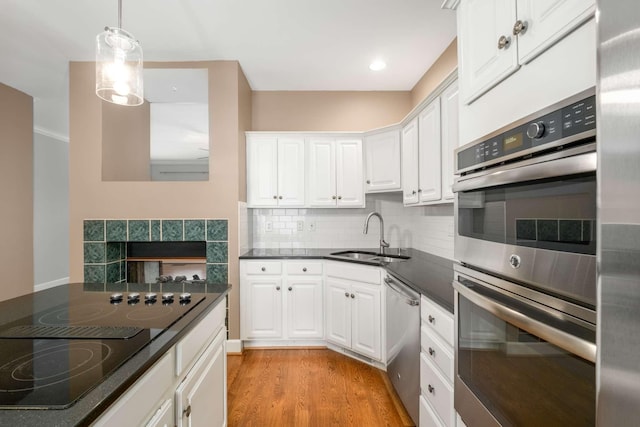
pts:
[377, 65]
[119, 65]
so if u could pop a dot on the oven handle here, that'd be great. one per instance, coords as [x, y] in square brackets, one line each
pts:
[581, 163]
[568, 342]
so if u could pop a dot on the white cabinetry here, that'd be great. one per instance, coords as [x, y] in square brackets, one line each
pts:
[275, 171]
[335, 172]
[436, 366]
[428, 142]
[281, 300]
[382, 161]
[193, 372]
[495, 37]
[354, 308]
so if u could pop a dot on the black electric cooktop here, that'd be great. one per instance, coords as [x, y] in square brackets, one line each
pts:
[57, 344]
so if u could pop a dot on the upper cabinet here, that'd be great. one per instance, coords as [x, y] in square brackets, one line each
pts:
[382, 161]
[496, 37]
[428, 142]
[275, 171]
[335, 172]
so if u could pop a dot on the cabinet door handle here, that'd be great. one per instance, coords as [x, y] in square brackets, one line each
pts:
[290, 288]
[432, 352]
[333, 197]
[339, 197]
[353, 296]
[277, 288]
[187, 412]
[264, 269]
[346, 294]
[431, 389]
[520, 27]
[503, 42]
[280, 197]
[275, 197]
[304, 269]
[368, 181]
[431, 319]
[413, 192]
[419, 190]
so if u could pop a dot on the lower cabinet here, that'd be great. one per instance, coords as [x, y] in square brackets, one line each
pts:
[187, 386]
[354, 308]
[281, 300]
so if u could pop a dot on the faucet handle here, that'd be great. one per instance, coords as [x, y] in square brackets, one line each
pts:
[384, 244]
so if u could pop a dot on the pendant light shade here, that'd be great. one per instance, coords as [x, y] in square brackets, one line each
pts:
[119, 66]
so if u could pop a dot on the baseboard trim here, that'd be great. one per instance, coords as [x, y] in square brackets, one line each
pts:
[234, 346]
[51, 284]
[289, 344]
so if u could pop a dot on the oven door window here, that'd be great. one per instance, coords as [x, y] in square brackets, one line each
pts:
[521, 379]
[555, 214]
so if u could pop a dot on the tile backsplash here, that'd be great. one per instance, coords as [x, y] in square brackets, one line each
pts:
[427, 228]
[105, 244]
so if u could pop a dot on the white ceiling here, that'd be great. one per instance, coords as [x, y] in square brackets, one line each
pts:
[280, 44]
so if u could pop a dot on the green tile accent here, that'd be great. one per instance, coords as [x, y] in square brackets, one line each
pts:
[113, 272]
[217, 252]
[172, 230]
[94, 230]
[114, 251]
[94, 253]
[194, 229]
[116, 230]
[155, 230]
[94, 273]
[217, 273]
[138, 230]
[217, 230]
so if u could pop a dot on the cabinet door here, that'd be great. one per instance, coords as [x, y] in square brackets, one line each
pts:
[338, 312]
[201, 397]
[547, 22]
[262, 171]
[349, 177]
[410, 163]
[366, 320]
[321, 172]
[483, 64]
[291, 172]
[262, 297]
[430, 175]
[304, 308]
[450, 137]
[382, 165]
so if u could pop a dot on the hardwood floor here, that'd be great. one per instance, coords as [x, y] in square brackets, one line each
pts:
[309, 387]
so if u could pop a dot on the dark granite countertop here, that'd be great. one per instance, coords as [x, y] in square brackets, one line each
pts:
[97, 400]
[427, 274]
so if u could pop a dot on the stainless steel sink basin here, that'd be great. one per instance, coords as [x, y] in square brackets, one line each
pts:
[370, 256]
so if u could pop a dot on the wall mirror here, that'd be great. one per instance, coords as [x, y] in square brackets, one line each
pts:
[166, 138]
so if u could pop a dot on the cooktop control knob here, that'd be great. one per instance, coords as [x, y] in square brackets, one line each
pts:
[150, 297]
[535, 130]
[185, 297]
[133, 296]
[115, 298]
[167, 297]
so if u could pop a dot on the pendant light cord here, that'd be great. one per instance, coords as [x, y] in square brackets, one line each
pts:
[120, 14]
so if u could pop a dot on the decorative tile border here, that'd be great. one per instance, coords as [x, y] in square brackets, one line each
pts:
[105, 244]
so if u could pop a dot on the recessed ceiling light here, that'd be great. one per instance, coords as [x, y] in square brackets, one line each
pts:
[377, 65]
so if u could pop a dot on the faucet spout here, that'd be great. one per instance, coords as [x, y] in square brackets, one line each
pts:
[383, 244]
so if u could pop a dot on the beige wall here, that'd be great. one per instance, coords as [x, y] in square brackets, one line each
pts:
[91, 197]
[244, 100]
[127, 131]
[327, 111]
[16, 188]
[444, 65]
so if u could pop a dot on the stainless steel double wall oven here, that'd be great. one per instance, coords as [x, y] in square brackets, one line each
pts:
[525, 281]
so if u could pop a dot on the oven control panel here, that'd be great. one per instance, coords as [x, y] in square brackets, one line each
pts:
[535, 134]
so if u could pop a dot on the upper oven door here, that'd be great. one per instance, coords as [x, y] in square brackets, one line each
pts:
[533, 222]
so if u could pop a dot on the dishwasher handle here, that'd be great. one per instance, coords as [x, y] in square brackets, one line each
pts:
[397, 287]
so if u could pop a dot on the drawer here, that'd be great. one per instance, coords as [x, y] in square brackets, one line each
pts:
[306, 268]
[437, 391]
[428, 418]
[437, 351]
[438, 319]
[199, 337]
[263, 267]
[351, 271]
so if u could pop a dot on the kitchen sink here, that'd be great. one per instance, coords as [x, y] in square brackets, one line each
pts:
[370, 256]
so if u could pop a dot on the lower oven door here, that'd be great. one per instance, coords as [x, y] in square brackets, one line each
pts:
[520, 363]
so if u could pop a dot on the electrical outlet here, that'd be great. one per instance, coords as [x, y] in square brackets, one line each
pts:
[268, 226]
[300, 225]
[312, 226]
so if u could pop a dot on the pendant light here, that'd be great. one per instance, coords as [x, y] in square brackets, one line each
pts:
[119, 65]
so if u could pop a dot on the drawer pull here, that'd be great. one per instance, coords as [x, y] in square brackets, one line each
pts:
[290, 288]
[432, 352]
[431, 319]
[346, 294]
[304, 269]
[353, 296]
[264, 269]
[431, 389]
[277, 288]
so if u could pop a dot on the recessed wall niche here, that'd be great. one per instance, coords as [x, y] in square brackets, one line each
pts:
[164, 139]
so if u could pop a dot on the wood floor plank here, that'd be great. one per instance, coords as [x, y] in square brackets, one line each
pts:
[308, 387]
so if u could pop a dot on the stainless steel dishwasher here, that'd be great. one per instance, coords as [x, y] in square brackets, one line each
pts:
[403, 343]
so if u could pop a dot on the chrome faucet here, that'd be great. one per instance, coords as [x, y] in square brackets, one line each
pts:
[383, 244]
